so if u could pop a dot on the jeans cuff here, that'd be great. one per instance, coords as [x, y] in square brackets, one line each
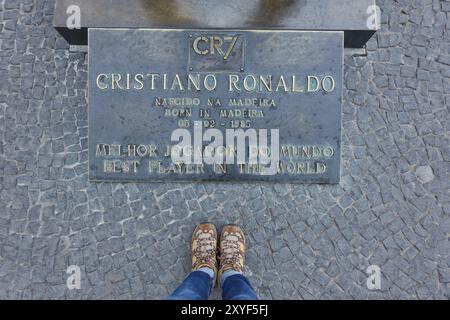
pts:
[227, 274]
[208, 271]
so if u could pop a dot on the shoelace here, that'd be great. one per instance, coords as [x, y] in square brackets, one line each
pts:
[231, 252]
[205, 249]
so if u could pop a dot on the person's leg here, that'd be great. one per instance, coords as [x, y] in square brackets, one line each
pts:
[198, 285]
[235, 286]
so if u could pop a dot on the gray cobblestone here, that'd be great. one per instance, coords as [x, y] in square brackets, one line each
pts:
[305, 241]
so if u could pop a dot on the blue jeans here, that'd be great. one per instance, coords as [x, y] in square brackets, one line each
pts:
[198, 286]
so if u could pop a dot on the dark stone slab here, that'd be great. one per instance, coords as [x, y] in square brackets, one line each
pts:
[125, 116]
[340, 15]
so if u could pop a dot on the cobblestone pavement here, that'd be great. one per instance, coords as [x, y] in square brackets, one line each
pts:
[305, 241]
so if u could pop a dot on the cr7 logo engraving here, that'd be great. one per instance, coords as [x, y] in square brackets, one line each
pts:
[215, 45]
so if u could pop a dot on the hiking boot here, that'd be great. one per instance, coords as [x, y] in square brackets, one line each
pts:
[232, 249]
[204, 247]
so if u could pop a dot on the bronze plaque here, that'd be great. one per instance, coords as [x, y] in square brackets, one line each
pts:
[198, 105]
